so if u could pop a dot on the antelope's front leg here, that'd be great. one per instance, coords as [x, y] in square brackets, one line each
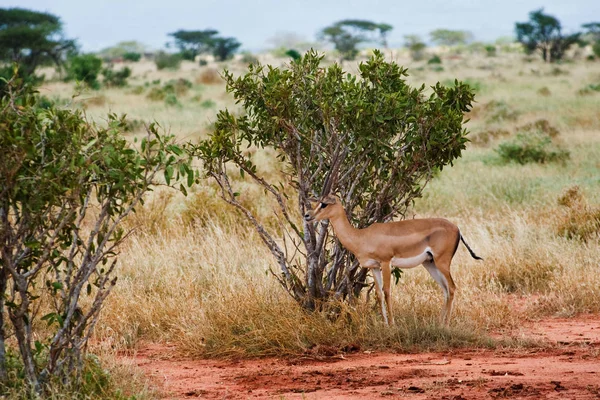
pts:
[379, 284]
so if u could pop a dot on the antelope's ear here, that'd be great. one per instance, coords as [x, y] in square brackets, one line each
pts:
[329, 199]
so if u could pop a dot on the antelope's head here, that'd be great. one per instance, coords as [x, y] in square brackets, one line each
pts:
[325, 208]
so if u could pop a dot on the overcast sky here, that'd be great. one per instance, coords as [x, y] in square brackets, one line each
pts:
[98, 24]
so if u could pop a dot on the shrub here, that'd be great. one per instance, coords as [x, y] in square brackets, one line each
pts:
[165, 60]
[483, 138]
[179, 87]
[589, 89]
[579, 219]
[532, 147]
[541, 125]
[170, 91]
[334, 132]
[434, 60]
[114, 78]
[293, 54]
[499, 111]
[171, 100]
[490, 50]
[248, 58]
[156, 94]
[208, 104]
[66, 186]
[132, 56]
[544, 91]
[84, 68]
[209, 76]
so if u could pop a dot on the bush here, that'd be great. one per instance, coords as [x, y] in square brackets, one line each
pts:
[533, 147]
[579, 220]
[434, 60]
[114, 78]
[485, 137]
[490, 50]
[67, 185]
[132, 56]
[364, 128]
[165, 60]
[248, 58]
[170, 91]
[541, 125]
[209, 76]
[293, 54]
[499, 111]
[589, 89]
[544, 91]
[84, 68]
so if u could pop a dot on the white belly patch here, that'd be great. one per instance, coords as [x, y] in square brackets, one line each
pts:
[411, 262]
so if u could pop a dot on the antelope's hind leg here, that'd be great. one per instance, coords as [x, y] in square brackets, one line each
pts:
[444, 280]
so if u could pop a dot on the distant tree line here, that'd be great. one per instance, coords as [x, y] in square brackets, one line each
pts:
[33, 39]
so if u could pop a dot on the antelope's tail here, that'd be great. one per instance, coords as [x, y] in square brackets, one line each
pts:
[475, 256]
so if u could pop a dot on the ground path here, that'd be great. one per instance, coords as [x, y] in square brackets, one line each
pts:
[569, 369]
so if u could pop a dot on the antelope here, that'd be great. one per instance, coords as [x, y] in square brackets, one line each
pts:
[431, 242]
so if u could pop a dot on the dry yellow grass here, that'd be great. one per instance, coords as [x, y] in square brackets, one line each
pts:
[195, 276]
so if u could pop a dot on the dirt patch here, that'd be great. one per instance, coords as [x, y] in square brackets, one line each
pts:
[569, 369]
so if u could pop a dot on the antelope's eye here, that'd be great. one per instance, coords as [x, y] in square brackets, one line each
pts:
[323, 205]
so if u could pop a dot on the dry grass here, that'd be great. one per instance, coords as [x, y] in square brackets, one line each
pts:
[196, 276]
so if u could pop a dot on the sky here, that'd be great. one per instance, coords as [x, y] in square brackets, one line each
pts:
[99, 24]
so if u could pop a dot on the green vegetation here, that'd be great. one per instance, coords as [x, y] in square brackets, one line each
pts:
[84, 68]
[544, 32]
[30, 39]
[448, 37]
[165, 60]
[364, 128]
[114, 78]
[59, 174]
[347, 34]
[194, 43]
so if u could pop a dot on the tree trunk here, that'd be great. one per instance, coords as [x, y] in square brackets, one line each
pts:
[3, 371]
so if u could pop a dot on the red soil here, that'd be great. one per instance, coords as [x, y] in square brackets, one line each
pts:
[568, 369]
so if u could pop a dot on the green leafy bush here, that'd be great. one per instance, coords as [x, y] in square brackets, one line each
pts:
[132, 56]
[61, 175]
[114, 78]
[490, 50]
[532, 147]
[370, 138]
[165, 60]
[434, 60]
[84, 68]
[293, 54]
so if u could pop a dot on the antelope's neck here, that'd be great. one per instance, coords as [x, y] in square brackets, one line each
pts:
[344, 231]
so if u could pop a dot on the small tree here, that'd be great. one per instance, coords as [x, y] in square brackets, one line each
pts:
[347, 34]
[65, 187]
[224, 48]
[448, 37]
[416, 46]
[84, 68]
[593, 36]
[371, 138]
[31, 38]
[130, 50]
[193, 43]
[543, 32]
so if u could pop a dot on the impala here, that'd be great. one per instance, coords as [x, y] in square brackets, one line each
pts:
[431, 242]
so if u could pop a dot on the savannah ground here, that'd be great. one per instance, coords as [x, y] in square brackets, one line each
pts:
[195, 312]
